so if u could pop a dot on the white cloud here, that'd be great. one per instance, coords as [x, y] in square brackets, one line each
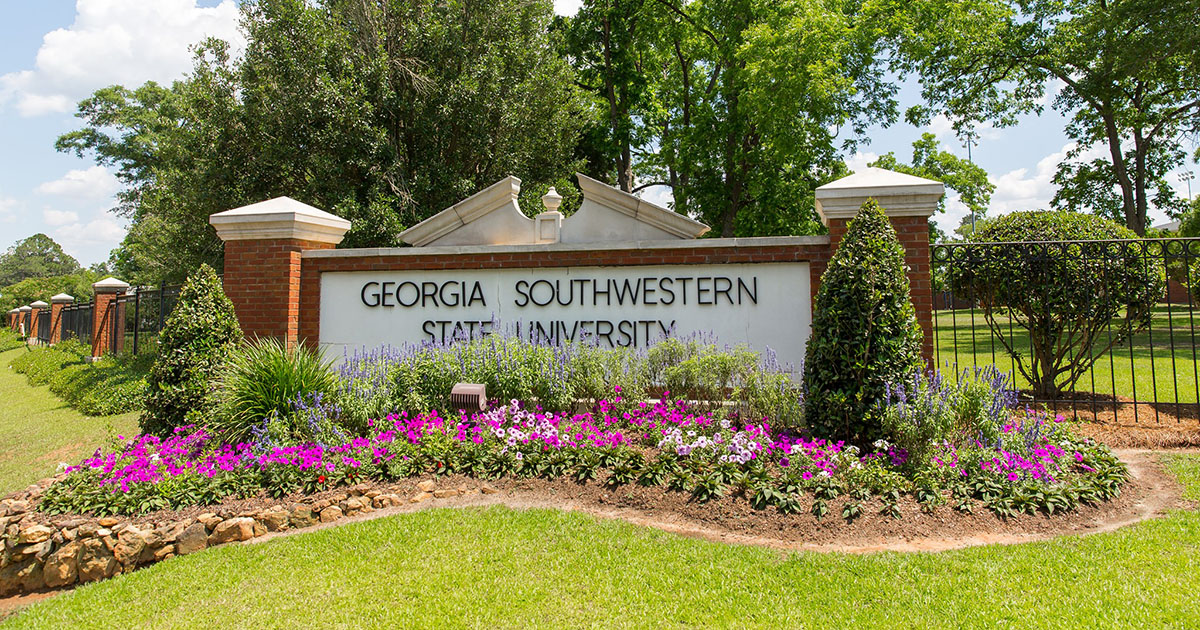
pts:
[116, 41]
[658, 195]
[91, 241]
[93, 183]
[1022, 189]
[56, 218]
[567, 7]
[860, 160]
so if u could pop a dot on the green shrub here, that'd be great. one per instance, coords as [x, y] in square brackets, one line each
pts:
[864, 332]
[193, 347]
[288, 388]
[41, 364]
[10, 340]
[112, 386]
[1073, 302]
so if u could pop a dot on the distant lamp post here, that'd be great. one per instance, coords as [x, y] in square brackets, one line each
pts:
[1187, 178]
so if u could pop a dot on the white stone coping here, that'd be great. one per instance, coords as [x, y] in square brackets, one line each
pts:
[502, 193]
[899, 194]
[760, 241]
[25, 309]
[62, 298]
[13, 310]
[281, 217]
[38, 304]
[633, 206]
[110, 285]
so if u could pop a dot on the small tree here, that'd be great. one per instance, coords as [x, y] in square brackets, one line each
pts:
[1070, 285]
[865, 332]
[195, 344]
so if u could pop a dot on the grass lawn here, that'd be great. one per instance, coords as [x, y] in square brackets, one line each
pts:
[498, 567]
[38, 430]
[1162, 373]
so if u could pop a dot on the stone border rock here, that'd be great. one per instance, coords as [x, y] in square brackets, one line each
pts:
[39, 556]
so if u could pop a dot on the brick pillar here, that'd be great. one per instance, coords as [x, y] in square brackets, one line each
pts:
[263, 242]
[23, 323]
[105, 319]
[57, 303]
[38, 307]
[908, 203]
[12, 318]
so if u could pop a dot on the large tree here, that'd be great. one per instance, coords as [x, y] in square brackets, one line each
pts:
[383, 112]
[1126, 73]
[35, 257]
[741, 107]
[964, 177]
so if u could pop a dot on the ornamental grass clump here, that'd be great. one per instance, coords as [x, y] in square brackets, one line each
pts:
[864, 332]
[278, 394]
[196, 341]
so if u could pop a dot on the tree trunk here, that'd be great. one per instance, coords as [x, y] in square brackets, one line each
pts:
[1128, 204]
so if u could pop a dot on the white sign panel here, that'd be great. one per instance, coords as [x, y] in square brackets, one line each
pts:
[765, 305]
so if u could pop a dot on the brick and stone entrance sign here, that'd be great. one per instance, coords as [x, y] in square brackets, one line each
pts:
[618, 272]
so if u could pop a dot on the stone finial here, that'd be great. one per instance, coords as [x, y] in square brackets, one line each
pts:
[279, 218]
[899, 194]
[62, 298]
[25, 309]
[110, 285]
[552, 200]
[38, 305]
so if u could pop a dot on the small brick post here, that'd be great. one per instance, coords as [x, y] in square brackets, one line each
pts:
[908, 202]
[263, 242]
[106, 322]
[12, 318]
[23, 320]
[57, 303]
[37, 308]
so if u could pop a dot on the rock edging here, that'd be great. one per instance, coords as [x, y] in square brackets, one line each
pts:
[77, 550]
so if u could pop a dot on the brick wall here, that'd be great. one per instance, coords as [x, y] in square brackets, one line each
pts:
[262, 279]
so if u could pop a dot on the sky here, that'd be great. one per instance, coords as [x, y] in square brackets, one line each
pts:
[54, 53]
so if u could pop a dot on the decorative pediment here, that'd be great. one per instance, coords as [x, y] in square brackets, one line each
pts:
[493, 217]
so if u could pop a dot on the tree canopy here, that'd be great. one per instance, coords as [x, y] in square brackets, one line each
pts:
[1125, 72]
[383, 113]
[35, 257]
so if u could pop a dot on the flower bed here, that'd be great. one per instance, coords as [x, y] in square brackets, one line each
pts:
[1035, 464]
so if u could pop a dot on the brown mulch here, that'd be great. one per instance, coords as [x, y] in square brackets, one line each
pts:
[1150, 492]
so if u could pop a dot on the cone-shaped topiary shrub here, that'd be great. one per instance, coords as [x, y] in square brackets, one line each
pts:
[195, 344]
[865, 332]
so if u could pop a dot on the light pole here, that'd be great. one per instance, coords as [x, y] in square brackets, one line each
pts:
[1188, 177]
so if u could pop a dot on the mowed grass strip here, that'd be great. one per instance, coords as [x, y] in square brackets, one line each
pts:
[498, 567]
[1159, 363]
[38, 430]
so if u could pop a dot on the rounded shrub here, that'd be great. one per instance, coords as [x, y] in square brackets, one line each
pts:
[291, 389]
[864, 332]
[1059, 290]
[194, 346]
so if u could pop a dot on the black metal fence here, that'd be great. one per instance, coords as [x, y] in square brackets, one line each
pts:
[136, 317]
[77, 322]
[1100, 328]
[43, 326]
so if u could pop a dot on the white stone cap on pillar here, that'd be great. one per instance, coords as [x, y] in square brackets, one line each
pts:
[38, 305]
[899, 194]
[14, 310]
[281, 217]
[25, 309]
[110, 285]
[62, 298]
